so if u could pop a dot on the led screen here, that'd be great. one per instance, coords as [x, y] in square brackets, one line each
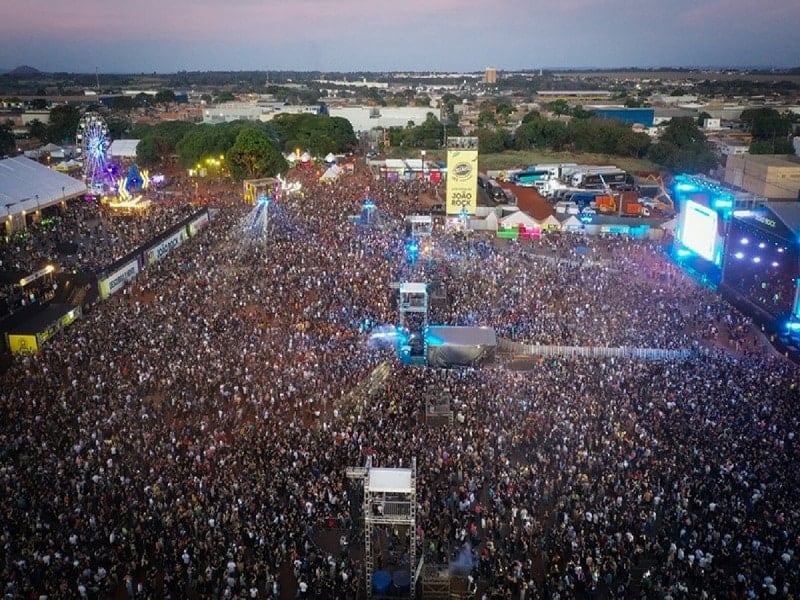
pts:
[699, 229]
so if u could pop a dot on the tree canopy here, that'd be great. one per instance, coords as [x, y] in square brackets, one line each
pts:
[319, 134]
[7, 143]
[254, 155]
[683, 147]
[63, 124]
[770, 130]
[591, 134]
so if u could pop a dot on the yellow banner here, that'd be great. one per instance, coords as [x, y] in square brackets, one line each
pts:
[20, 343]
[462, 181]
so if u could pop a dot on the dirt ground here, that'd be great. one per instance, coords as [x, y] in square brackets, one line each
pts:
[530, 201]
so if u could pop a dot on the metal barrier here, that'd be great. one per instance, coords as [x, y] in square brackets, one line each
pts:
[511, 347]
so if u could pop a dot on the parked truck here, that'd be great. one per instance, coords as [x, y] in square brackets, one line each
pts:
[631, 206]
[600, 177]
[606, 204]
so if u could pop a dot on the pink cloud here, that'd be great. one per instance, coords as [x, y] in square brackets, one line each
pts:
[741, 14]
[233, 19]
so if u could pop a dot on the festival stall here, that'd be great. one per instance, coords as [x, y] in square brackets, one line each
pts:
[29, 336]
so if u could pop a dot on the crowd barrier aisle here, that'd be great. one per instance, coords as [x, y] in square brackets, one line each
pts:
[509, 346]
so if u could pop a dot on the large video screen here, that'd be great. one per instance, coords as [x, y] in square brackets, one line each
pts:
[698, 231]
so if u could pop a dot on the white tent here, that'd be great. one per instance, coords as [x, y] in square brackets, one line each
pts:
[550, 222]
[305, 157]
[519, 218]
[571, 223]
[291, 158]
[330, 158]
[26, 185]
[331, 173]
[50, 148]
[123, 149]
[490, 222]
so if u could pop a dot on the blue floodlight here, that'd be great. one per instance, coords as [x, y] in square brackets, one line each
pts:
[263, 199]
[412, 250]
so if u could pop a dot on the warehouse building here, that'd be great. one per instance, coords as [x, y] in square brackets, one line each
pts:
[776, 177]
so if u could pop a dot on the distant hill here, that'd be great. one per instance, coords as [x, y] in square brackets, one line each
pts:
[24, 71]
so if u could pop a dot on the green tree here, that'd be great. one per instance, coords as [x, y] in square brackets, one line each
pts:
[559, 107]
[225, 97]
[149, 151]
[770, 130]
[632, 143]
[299, 129]
[118, 126]
[165, 136]
[164, 97]
[701, 118]
[206, 141]
[63, 123]
[683, 147]
[581, 113]
[492, 141]
[531, 116]
[486, 118]
[254, 155]
[8, 145]
[633, 102]
[779, 146]
[38, 130]
[320, 144]
[124, 104]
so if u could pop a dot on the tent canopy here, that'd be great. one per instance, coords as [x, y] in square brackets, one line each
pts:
[26, 185]
[123, 148]
[331, 172]
[519, 218]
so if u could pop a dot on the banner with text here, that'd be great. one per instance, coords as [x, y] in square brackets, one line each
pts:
[164, 247]
[462, 182]
[197, 224]
[116, 280]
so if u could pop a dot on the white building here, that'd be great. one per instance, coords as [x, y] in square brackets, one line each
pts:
[366, 118]
[249, 111]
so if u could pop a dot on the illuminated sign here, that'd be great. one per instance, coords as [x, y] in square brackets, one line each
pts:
[462, 181]
[766, 221]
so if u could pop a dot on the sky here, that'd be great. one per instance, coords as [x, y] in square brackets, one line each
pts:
[166, 36]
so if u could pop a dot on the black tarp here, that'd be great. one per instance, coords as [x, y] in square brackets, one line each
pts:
[450, 346]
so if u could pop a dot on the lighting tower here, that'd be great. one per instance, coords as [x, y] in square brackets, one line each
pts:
[390, 498]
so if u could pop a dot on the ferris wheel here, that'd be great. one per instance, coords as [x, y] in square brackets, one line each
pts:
[92, 148]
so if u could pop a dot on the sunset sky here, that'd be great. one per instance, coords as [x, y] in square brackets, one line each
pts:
[350, 35]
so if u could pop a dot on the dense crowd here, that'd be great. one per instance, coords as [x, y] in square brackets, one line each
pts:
[190, 436]
[84, 235]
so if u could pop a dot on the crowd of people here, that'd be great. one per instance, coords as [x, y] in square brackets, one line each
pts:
[190, 436]
[83, 234]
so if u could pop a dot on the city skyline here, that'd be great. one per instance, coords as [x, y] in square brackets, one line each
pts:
[415, 35]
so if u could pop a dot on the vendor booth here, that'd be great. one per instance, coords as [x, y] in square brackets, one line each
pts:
[29, 336]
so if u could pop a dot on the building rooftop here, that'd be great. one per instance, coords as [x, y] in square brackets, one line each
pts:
[775, 160]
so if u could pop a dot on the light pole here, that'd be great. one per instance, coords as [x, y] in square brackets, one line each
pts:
[266, 219]
[262, 221]
[368, 206]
